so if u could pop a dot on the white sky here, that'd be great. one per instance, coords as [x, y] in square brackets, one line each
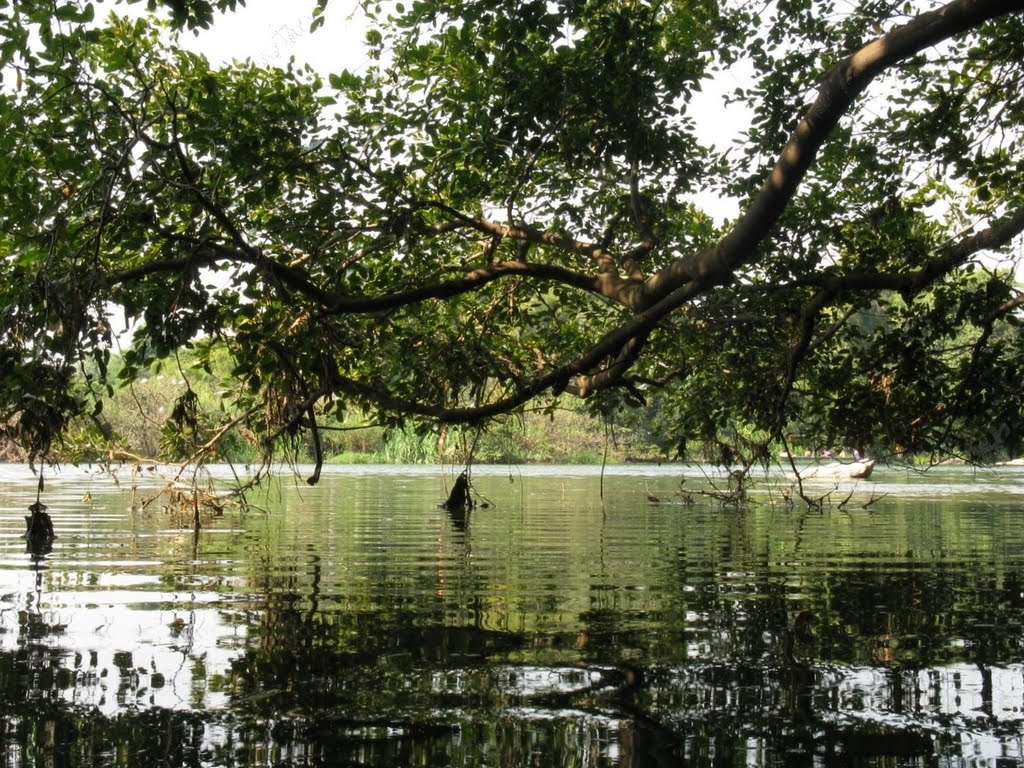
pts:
[271, 31]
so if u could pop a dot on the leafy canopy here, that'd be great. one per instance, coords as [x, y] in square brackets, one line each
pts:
[511, 202]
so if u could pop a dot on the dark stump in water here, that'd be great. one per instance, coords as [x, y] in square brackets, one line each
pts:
[39, 533]
[459, 502]
[459, 499]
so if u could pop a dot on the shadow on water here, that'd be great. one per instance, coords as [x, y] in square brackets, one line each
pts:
[353, 626]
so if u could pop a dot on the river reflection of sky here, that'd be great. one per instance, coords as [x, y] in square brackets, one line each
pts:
[956, 689]
[124, 652]
[129, 646]
[957, 694]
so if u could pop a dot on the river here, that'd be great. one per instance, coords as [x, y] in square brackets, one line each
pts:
[569, 622]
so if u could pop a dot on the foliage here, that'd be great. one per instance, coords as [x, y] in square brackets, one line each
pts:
[140, 419]
[506, 206]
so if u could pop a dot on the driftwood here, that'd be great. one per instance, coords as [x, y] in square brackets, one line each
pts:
[858, 470]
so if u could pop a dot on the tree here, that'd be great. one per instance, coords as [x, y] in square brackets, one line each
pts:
[504, 207]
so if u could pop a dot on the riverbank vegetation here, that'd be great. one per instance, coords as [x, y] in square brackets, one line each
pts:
[140, 421]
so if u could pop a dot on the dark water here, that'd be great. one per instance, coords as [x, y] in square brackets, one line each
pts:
[355, 623]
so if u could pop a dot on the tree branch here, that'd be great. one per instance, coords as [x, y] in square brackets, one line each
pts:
[612, 374]
[832, 285]
[610, 280]
[841, 86]
[948, 259]
[209, 254]
[689, 276]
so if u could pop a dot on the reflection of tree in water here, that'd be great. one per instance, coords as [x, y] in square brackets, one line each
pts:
[51, 733]
[755, 665]
[732, 659]
[850, 659]
[38, 727]
[381, 686]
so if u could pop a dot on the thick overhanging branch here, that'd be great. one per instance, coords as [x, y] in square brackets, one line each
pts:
[600, 255]
[1010, 305]
[606, 283]
[473, 280]
[462, 415]
[623, 345]
[584, 384]
[841, 86]
[199, 257]
[697, 273]
[674, 286]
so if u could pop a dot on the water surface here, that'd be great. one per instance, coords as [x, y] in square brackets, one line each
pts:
[571, 622]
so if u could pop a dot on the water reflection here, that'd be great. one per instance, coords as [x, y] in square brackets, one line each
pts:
[358, 623]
